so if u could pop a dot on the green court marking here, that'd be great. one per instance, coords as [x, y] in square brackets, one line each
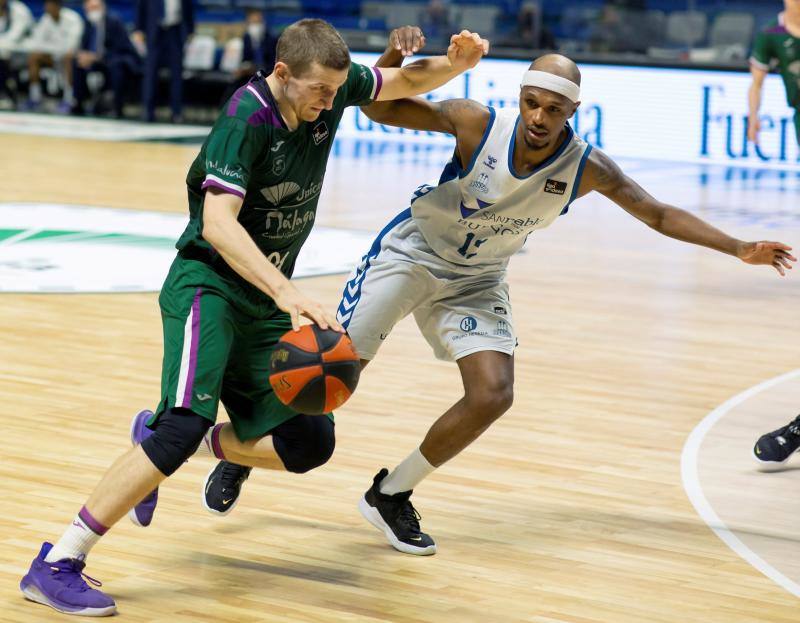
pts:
[84, 237]
[8, 233]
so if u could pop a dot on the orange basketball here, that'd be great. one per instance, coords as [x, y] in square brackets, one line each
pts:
[314, 371]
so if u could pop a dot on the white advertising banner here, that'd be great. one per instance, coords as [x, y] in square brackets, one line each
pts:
[640, 112]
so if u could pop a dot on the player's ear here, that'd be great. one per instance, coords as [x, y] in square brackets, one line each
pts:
[575, 107]
[282, 72]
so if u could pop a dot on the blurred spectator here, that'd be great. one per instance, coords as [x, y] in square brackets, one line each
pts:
[435, 20]
[105, 48]
[165, 26]
[611, 33]
[258, 51]
[55, 37]
[529, 32]
[15, 24]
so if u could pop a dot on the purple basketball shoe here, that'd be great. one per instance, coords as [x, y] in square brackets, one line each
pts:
[142, 513]
[61, 585]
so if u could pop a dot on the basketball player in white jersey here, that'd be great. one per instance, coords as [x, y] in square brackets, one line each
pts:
[444, 258]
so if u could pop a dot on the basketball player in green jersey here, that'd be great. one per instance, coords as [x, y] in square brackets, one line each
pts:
[253, 193]
[777, 45]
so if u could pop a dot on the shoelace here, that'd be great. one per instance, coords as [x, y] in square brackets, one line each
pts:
[233, 475]
[410, 517]
[75, 577]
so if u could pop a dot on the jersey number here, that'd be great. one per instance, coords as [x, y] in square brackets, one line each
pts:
[467, 242]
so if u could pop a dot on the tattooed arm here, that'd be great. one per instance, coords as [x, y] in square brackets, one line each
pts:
[603, 175]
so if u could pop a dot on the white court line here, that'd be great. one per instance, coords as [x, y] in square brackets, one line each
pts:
[691, 483]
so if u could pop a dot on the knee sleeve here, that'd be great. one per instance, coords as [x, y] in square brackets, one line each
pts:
[176, 437]
[304, 442]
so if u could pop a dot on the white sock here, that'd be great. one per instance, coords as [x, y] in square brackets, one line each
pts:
[210, 444]
[412, 471]
[78, 539]
[35, 92]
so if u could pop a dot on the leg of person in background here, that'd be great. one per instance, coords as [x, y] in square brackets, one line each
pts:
[150, 78]
[68, 100]
[175, 55]
[35, 62]
[116, 73]
[6, 97]
[80, 88]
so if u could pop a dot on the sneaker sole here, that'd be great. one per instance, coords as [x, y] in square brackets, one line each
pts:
[372, 515]
[132, 512]
[207, 507]
[32, 593]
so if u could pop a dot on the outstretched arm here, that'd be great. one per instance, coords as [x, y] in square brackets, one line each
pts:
[603, 175]
[417, 113]
[427, 74]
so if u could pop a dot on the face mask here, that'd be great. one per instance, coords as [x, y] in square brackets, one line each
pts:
[255, 30]
[94, 16]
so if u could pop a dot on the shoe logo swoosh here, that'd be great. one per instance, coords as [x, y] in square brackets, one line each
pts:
[416, 538]
[226, 502]
[758, 450]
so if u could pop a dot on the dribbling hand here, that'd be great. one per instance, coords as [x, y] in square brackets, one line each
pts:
[293, 302]
[775, 254]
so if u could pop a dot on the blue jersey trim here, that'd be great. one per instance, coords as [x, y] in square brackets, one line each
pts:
[464, 172]
[578, 176]
[352, 289]
[546, 163]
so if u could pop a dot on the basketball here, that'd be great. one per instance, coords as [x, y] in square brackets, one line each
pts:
[313, 370]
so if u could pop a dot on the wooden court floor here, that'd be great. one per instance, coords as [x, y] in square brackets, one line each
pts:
[570, 509]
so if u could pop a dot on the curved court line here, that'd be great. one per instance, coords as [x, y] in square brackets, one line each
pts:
[691, 483]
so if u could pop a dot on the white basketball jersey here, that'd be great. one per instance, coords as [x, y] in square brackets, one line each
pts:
[482, 215]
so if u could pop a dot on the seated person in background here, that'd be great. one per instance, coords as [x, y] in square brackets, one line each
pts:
[435, 20]
[55, 37]
[529, 32]
[105, 48]
[258, 50]
[15, 24]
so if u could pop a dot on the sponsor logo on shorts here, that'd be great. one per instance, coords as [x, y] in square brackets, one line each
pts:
[500, 310]
[468, 323]
[469, 326]
[555, 187]
[319, 133]
[502, 329]
[204, 397]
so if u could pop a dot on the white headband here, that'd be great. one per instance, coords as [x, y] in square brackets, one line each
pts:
[551, 82]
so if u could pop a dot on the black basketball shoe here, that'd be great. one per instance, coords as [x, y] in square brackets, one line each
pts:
[222, 487]
[774, 449]
[396, 517]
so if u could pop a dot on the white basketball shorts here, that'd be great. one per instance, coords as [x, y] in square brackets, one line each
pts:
[459, 309]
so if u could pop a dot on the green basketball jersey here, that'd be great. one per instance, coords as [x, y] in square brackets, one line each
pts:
[278, 172]
[776, 46]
